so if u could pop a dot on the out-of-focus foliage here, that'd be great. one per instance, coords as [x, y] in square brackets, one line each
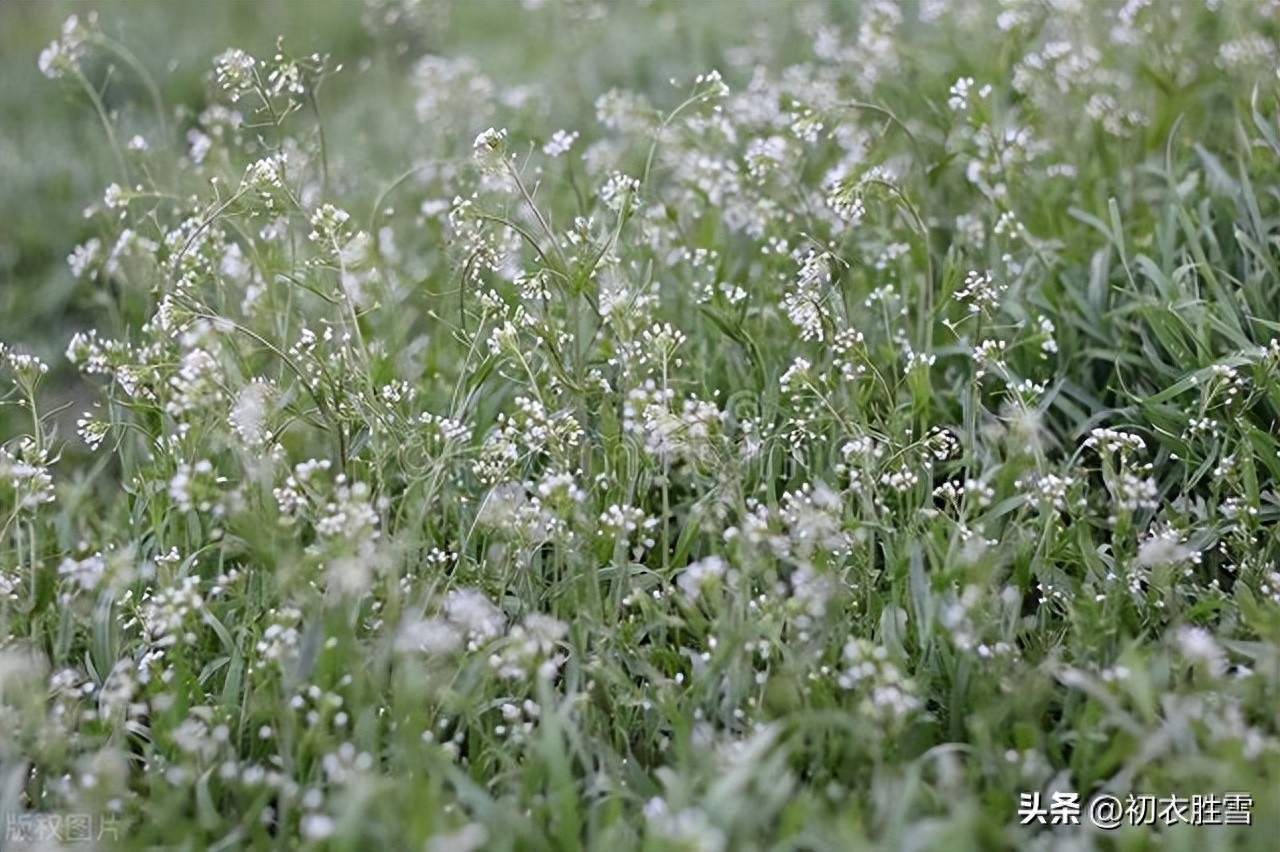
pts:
[640, 426]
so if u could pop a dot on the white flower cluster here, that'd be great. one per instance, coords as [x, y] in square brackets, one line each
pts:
[526, 436]
[1166, 548]
[560, 143]
[29, 485]
[280, 638]
[86, 573]
[1198, 646]
[1136, 492]
[667, 434]
[622, 522]
[235, 72]
[958, 99]
[63, 54]
[621, 193]
[467, 619]
[195, 487]
[531, 512]
[489, 152]
[688, 828]
[705, 572]
[348, 531]
[198, 384]
[265, 178]
[888, 695]
[166, 615]
[980, 293]
[804, 303]
[296, 492]
[1048, 489]
[251, 411]
[1108, 441]
[813, 518]
[532, 649]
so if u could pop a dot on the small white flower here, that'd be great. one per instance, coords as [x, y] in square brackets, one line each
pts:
[115, 197]
[84, 256]
[1198, 644]
[235, 72]
[428, 635]
[559, 143]
[692, 578]
[959, 99]
[474, 613]
[1164, 548]
[489, 151]
[317, 826]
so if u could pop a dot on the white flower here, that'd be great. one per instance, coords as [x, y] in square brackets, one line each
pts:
[980, 292]
[328, 225]
[115, 197]
[86, 573]
[52, 61]
[620, 192]
[1198, 644]
[428, 635]
[692, 578]
[317, 826]
[265, 177]
[1110, 440]
[61, 55]
[489, 151]
[1164, 548]
[474, 613]
[84, 256]
[200, 144]
[959, 100]
[688, 829]
[803, 303]
[235, 72]
[559, 143]
[248, 416]
[31, 483]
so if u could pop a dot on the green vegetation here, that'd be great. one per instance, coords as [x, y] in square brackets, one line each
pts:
[659, 426]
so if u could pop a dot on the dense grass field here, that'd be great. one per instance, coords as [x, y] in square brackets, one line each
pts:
[653, 425]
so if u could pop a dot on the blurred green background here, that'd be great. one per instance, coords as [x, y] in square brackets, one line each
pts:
[55, 158]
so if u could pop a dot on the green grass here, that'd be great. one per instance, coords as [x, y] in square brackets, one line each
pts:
[834, 451]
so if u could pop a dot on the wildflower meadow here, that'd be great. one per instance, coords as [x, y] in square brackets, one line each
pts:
[667, 425]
